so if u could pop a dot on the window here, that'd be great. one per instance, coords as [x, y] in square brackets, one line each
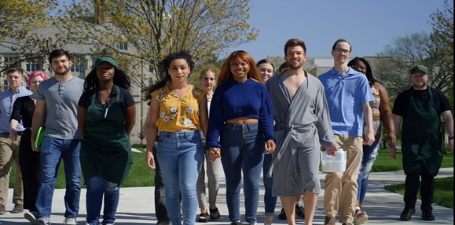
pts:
[150, 69]
[32, 66]
[123, 46]
[151, 82]
[93, 63]
[78, 65]
[10, 61]
[5, 85]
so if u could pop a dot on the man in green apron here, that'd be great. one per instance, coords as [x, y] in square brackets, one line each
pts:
[422, 145]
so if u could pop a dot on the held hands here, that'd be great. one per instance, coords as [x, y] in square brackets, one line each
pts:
[332, 150]
[393, 152]
[269, 147]
[214, 153]
[150, 160]
[12, 135]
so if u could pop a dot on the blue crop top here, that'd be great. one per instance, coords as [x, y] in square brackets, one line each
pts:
[234, 99]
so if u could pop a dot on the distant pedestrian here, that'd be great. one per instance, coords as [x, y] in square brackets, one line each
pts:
[30, 161]
[348, 97]
[422, 144]
[106, 116]
[207, 79]
[56, 100]
[381, 113]
[9, 149]
[178, 111]
[241, 118]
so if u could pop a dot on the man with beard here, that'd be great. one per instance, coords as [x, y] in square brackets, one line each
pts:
[56, 100]
[421, 139]
[348, 97]
[9, 149]
[302, 124]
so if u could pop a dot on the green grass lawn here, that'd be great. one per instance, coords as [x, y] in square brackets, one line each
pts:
[443, 191]
[139, 176]
[385, 163]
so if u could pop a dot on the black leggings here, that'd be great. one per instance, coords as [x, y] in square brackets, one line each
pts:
[30, 163]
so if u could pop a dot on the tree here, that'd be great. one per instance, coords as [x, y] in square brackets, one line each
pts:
[392, 70]
[156, 28]
[19, 19]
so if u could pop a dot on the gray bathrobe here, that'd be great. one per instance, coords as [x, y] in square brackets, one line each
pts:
[302, 124]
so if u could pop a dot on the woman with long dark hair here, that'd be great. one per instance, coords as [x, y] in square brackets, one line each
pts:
[241, 113]
[381, 112]
[179, 112]
[106, 116]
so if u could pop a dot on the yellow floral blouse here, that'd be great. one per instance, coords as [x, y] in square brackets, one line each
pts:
[178, 113]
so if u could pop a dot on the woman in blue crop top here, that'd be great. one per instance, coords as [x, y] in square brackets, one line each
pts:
[241, 118]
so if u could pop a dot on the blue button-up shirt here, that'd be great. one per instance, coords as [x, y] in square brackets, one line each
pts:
[345, 96]
[7, 99]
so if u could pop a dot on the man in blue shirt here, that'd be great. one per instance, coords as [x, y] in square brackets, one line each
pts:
[348, 95]
[9, 150]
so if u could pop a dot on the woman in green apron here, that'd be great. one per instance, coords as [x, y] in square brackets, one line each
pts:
[106, 116]
[422, 144]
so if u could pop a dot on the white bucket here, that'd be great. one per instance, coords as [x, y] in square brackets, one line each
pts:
[335, 163]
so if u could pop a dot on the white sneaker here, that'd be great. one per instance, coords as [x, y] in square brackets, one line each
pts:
[41, 221]
[70, 221]
[29, 216]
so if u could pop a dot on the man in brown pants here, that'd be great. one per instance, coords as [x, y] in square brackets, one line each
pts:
[348, 97]
[9, 150]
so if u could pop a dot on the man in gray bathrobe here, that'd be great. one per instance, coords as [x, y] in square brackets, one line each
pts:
[302, 125]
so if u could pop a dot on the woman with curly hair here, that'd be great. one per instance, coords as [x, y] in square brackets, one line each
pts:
[106, 116]
[241, 113]
[178, 111]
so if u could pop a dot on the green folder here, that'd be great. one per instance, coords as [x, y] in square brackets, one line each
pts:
[39, 137]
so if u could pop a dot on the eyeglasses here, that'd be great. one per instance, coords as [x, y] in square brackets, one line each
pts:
[358, 67]
[337, 50]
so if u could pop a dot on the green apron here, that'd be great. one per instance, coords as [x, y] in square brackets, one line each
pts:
[105, 147]
[422, 143]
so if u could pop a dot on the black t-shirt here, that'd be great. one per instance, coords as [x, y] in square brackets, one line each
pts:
[23, 110]
[126, 99]
[401, 105]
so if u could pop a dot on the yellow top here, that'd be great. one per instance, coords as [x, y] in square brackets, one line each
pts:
[178, 113]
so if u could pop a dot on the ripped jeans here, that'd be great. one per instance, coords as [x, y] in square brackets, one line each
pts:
[97, 186]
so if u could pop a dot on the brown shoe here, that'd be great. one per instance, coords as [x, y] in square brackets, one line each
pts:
[2, 209]
[18, 208]
[330, 221]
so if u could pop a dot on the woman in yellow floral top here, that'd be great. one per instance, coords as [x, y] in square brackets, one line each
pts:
[178, 111]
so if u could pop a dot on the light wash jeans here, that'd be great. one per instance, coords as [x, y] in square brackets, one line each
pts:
[369, 155]
[180, 155]
[52, 150]
[97, 186]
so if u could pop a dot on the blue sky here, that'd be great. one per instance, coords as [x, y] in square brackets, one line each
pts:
[369, 25]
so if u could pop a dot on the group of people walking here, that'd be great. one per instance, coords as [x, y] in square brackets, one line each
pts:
[86, 123]
[252, 123]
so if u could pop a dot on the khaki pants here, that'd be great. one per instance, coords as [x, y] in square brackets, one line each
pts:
[9, 152]
[341, 188]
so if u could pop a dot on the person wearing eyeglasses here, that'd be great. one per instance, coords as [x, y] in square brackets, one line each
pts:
[381, 113]
[348, 97]
[420, 107]
[241, 113]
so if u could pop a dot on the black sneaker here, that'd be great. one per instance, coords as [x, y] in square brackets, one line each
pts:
[427, 215]
[163, 222]
[282, 215]
[236, 223]
[300, 212]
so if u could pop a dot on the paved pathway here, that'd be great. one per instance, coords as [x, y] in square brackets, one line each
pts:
[136, 205]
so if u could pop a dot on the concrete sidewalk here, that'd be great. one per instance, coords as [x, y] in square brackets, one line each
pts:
[137, 205]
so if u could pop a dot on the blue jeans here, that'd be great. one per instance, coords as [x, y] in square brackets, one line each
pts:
[180, 155]
[97, 186]
[52, 150]
[242, 148]
[269, 200]
[369, 155]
